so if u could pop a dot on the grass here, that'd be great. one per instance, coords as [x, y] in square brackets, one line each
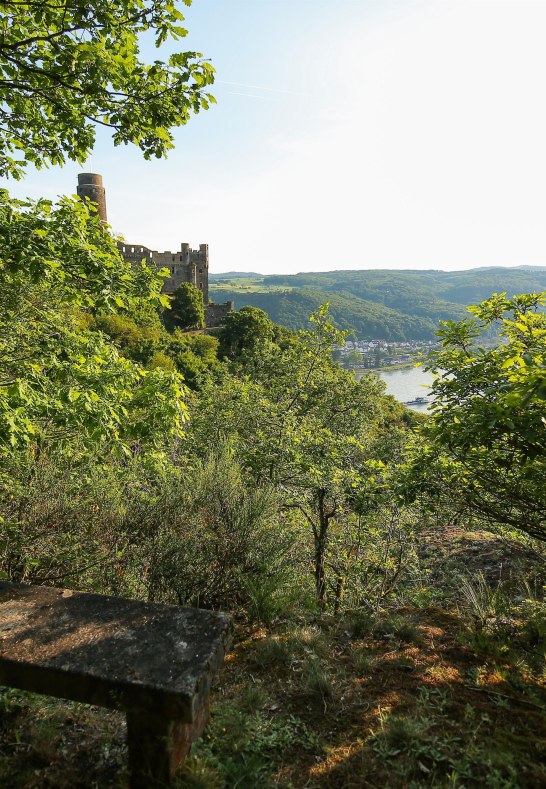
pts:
[363, 661]
[274, 654]
[359, 623]
[448, 694]
[316, 682]
[46, 742]
[397, 627]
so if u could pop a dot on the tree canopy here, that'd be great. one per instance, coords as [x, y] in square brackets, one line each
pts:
[67, 66]
[487, 435]
[244, 330]
[188, 309]
[297, 419]
[58, 379]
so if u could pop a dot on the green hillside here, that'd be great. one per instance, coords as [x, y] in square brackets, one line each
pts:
[379, 304]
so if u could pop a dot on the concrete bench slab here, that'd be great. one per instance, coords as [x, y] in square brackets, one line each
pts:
[155, 662]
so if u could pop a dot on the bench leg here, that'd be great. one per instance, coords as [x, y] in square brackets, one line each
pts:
[157, 747]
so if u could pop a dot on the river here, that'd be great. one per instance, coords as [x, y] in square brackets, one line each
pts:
[406, 384]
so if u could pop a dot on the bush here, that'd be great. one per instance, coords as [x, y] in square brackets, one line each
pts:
[223, 544]
[63, 524]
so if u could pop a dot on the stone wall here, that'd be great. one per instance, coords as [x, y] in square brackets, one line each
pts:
[216, 313]
[186, 265]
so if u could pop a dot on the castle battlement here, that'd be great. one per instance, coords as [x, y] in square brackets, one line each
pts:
[185, 265]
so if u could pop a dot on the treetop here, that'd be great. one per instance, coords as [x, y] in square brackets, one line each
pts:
[68, 66]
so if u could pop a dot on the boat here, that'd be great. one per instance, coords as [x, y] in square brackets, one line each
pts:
[417, 401]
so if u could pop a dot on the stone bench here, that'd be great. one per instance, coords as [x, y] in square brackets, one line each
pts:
[154, 662]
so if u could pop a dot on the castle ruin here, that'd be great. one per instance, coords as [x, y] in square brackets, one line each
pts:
[186, 265]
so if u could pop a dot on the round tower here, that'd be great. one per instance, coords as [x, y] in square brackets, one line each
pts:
[90, 185]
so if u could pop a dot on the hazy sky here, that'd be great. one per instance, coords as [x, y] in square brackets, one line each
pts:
[348, 134]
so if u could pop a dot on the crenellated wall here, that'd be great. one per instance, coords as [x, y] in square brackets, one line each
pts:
[186, 265]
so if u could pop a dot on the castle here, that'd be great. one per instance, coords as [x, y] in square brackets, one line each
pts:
[186, 265]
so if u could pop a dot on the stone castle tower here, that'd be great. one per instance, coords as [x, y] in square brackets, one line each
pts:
[90, 185]
[186, 265]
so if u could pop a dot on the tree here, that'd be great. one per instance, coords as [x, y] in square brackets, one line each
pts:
[67, 66]
[195, 355]
[59, 380]
[354, 358]
[487, 436]
[301, 423]
[188, 309]
[243, 331]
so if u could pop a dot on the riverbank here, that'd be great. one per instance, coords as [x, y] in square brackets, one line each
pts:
[403, 366]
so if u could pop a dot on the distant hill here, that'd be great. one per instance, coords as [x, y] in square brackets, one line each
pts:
[380, 304]
[235, 275]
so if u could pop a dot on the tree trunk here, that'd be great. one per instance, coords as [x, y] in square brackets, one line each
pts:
[339, 594]
[321, 540]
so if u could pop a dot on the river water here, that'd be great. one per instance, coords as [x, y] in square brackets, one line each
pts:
[407, 384]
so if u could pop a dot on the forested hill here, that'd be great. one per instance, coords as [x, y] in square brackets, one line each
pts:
[389, 304]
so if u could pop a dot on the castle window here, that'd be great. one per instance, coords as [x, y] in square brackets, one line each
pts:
[173, 258]
[150, 255]
[124, 249]
[132, 249]
[180, 257]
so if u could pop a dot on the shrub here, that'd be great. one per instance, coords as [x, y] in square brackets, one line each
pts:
[222, 542]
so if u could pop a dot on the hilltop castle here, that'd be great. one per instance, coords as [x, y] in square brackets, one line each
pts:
[186, 265]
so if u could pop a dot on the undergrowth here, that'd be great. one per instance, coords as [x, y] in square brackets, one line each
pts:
[409, 695]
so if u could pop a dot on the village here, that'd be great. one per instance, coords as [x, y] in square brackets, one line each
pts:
[378, 354]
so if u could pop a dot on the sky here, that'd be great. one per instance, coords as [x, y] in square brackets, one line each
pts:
[348, 134]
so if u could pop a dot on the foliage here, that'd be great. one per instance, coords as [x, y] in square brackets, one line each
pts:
[207, 537]
[58, 378]
[126, 333]
[483, 602]
[243, 748]
[143, 338]
[62, 525]
[371, 556]
[219, 539]
[232, 517]
[288, 475]
[299, 422]
[244, 331]
[67, 67]
[195, 356]
[65, 246]
[487, 433]
[187, 306]
[427, 747]
[368, 319]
